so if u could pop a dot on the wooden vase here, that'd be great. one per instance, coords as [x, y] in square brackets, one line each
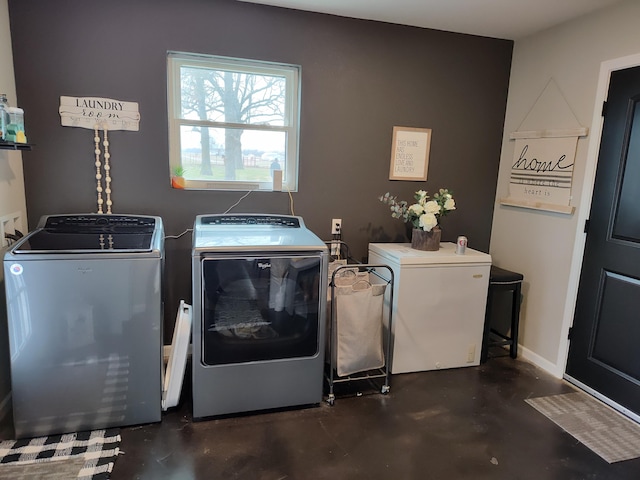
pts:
[427, 241]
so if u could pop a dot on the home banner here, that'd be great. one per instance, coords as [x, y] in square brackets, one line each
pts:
[542, 173]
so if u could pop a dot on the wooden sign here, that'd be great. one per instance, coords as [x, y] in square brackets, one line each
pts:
[542, 166]
[87, 112]
[542, 173]
[410, 153]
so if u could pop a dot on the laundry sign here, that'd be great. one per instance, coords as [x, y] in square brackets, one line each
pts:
[87, 112]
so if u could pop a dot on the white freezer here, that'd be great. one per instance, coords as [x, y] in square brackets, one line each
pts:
[438, 305]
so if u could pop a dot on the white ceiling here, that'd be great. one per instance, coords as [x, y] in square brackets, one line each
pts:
[508, 19]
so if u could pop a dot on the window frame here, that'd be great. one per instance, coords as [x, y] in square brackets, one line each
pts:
[291, 124]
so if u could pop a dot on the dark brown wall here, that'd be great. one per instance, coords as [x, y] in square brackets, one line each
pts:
[359, 79]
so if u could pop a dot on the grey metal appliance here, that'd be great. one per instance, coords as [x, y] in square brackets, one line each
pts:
[84, 305]
[259, 302]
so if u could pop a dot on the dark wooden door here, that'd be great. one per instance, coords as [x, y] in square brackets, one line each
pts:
[604, 353]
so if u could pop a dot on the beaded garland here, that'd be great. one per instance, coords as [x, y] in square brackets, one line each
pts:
[107, 169]
[97, 151]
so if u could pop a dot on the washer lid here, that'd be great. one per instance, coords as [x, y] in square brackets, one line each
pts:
[54, 242]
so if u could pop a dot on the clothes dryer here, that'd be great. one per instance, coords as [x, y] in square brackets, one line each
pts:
[259, 301]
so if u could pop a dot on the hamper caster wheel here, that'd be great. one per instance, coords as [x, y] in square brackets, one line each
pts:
[331, 399]
[385, 389]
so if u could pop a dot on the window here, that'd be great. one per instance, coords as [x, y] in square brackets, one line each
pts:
[232, 122]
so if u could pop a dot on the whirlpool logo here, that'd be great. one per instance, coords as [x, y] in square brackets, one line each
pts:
[264, 265]
[16, 269]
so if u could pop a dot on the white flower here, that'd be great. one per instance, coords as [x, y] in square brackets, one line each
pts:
[450, 203]
[424, 213]
[421, 197]
[416, 209]
[428, 221]
[432, 207]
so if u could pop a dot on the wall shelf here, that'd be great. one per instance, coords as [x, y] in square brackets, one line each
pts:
[14, 146]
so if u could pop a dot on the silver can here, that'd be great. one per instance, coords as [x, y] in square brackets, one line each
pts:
[461, 245]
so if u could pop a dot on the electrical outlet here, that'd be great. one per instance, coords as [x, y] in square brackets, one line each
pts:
[336, 226]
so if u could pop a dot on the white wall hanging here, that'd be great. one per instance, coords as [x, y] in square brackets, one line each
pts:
[100, 114]
[542, 166]
[410, 153]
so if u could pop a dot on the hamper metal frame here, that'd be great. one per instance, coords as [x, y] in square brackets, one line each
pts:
[380, 373]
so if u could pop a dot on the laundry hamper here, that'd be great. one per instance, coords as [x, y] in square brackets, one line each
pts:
[357, 326]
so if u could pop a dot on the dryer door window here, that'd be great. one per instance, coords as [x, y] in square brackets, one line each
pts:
[260, 308]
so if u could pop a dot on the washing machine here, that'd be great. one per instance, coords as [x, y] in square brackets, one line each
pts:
[84, 305]
[259, 312]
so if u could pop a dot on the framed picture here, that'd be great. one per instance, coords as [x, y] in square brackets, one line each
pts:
[410, 153]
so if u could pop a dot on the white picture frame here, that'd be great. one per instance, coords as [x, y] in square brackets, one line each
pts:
[410, 153]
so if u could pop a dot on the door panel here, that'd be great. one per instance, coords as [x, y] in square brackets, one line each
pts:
[616, 329]
[604, 353]
[627, 219]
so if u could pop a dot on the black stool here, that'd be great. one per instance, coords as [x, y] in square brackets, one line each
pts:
[502, 280]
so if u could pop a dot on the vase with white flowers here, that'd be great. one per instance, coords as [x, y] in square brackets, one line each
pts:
[424, 215]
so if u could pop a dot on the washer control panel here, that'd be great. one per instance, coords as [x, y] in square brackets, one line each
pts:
[99, 223]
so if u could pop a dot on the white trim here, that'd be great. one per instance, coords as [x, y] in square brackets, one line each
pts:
[616, 406]
[584, 206]
[569, 132]
[516, 202]
[539, 361]
[290, 129]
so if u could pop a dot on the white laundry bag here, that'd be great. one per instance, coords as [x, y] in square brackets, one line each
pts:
[358, 324]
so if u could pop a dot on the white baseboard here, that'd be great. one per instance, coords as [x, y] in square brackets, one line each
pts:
[540, 362]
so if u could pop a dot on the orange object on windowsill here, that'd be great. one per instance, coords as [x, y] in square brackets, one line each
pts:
[177, 182]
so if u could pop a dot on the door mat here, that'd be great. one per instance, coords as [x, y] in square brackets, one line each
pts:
[84, 455]
[606, 432]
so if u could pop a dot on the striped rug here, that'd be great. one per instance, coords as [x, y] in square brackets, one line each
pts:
[83, 455]
[606, 432]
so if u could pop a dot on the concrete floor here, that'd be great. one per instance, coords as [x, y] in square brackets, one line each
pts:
[466, 423]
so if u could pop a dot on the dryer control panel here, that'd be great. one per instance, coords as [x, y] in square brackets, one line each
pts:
[263, 220]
